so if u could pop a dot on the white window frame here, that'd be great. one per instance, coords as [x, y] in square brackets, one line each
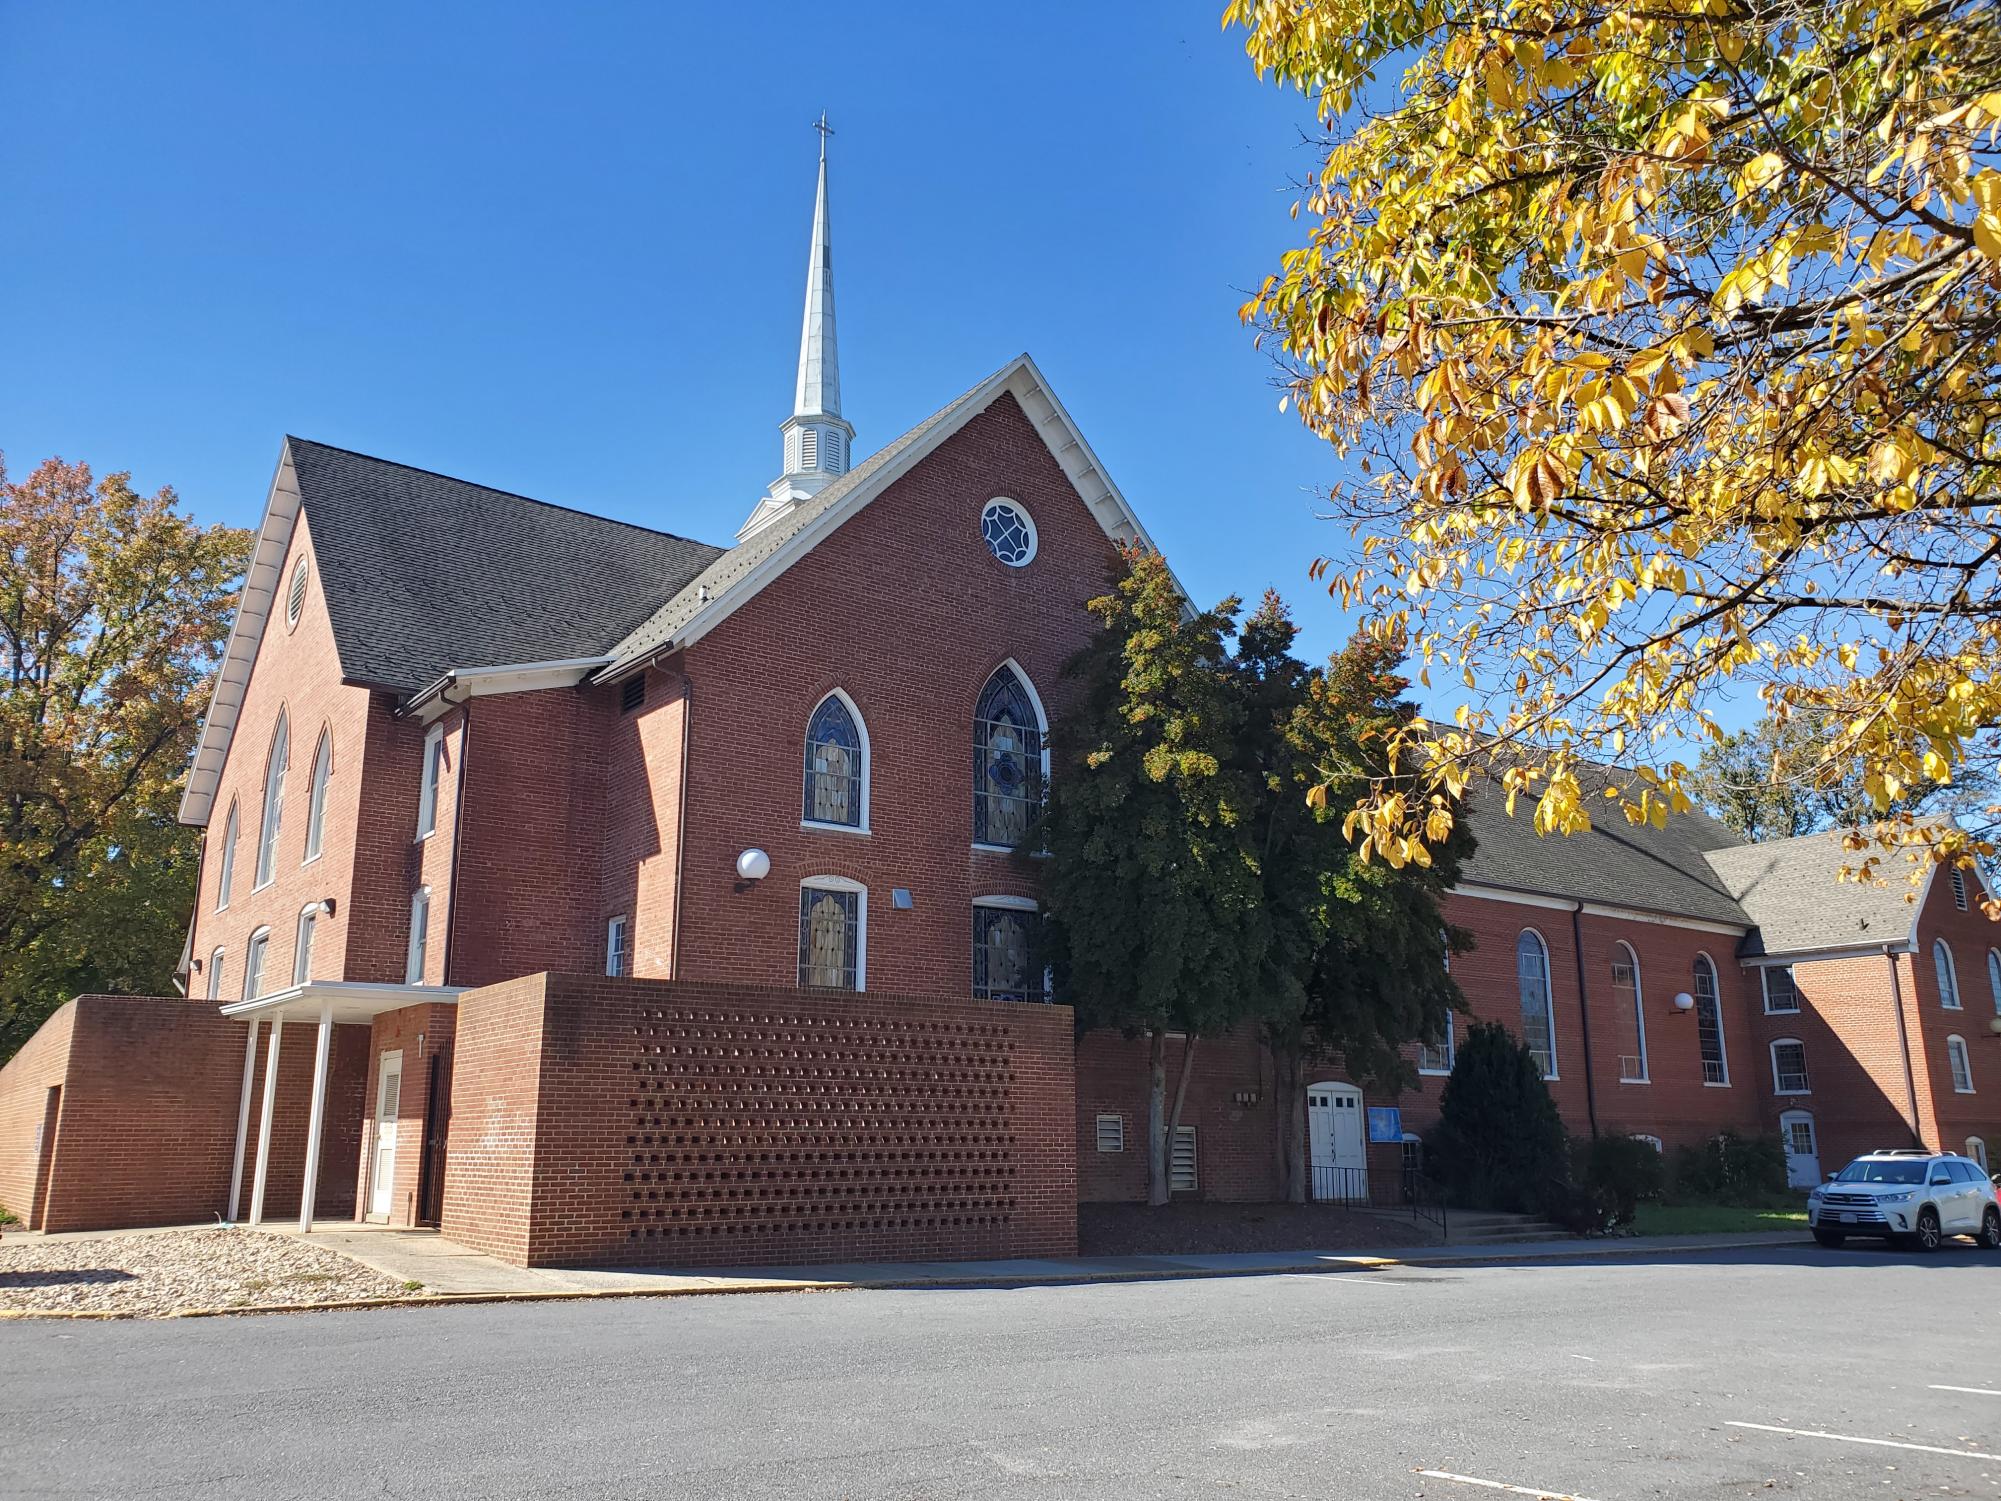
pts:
[867, 766]
[277, 762]
[420, 936]
[839, 883]
[1722, 1035]
[1042, 728]
[1193, 1182]
[254, 952]
[215, 959]
[1960, 1062]
[1645, 1075]
[1765, 985]
[427, 789]
[1994, 977]
[1778, 1079]
[1946, 970]
[226, 876]
[1112, 1127]
[1653, 1141]
[316, 797]
[1976, 1150]
[1548, 994]
[1451, 1048]
[295, 594]
[302, 943]
[1028, 524]
[616, 930]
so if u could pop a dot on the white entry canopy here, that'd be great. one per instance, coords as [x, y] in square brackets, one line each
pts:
[349, 1000]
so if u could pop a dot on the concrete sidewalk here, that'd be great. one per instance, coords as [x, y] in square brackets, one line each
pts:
[449, 1270]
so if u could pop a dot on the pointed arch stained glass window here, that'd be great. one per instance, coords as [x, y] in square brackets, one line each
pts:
[833, 765]
[1007, 761]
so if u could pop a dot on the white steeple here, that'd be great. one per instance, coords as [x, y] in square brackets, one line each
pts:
[816, 436]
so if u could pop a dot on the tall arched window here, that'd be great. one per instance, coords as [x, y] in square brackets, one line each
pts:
[302, 949]
[1709, 1023]
[274, 801]
[836, 790]
[253, 963]
[1994, 978]
[226, 875]
[316, 796]
[1631, 1014]
[1948, 975]
[1538, 1019]
[215, 975]
[1962, 1065]
[420, 936]
[1008, 760]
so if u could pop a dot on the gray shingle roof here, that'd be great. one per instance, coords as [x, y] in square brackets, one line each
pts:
[423, 573]
[730, 568]
[1792, 889]
[1656, 870]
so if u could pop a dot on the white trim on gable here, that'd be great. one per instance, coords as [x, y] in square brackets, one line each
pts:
[246, 632]
[1020, 378]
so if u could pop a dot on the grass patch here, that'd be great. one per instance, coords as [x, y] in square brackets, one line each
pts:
[1715, 1219]
[7, 1216]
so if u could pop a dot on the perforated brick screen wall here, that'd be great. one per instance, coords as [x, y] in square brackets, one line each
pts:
[699, 1125]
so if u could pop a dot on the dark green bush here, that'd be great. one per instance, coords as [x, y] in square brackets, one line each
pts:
[1729, 1169]
[1618, 1173]
[1499, 1142]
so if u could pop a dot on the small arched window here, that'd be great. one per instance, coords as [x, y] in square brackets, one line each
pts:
[1948, 975]
[253, 963]
[302, 950]
[420, 933]
[1709, 1024]
[1789, 1067]
[1962, 1065]
[226, 874]
[836, 786]
[215, 975]
[1538, 1019]
[274, 801]
[1009, 761]
[833, 933]
[1630, 1014]
[316, 796]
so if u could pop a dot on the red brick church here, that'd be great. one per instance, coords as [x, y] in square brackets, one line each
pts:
[597, 894]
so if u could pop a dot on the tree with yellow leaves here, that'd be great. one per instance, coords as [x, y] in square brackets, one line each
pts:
[1661, 340]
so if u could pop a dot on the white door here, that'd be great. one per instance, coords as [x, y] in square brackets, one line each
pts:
[382, 1172]
[1802, 1150]
[1337, 1143]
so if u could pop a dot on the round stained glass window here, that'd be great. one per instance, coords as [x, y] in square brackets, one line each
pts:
[1009, 534]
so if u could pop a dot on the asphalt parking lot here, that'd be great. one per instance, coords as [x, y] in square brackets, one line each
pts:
[1775, 1372]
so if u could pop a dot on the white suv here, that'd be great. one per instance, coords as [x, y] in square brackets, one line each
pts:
[1909, 1197]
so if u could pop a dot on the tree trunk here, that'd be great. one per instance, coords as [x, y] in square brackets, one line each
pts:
[1289, 1106]
[1156, 1120]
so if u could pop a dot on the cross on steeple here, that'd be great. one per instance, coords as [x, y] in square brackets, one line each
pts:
[825, 130]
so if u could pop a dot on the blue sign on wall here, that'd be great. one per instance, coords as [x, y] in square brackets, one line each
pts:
[1385, 1123]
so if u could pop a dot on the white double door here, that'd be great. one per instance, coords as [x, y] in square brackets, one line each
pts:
[1337, 1143]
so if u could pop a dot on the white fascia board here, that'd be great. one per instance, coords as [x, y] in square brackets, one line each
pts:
[1020, 378]
[1595, 909]
[246, 633]
[1832, 951]
[462, 683]
[349, 1000]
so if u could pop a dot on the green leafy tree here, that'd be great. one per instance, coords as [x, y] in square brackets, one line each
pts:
[1156, 918]
[113, 609]
[1499, 1141]
[1356, 968]
[1774, 781]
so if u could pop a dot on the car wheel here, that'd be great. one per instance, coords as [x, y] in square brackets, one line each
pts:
[1930, 1234]
[1990, 1229]
[1835, 1242]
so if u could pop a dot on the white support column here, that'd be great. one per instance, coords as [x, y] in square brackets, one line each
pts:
[316, 1119]
[264, 1120]
[243, 1120]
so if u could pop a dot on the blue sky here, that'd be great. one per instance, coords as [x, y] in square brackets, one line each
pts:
[561, 250]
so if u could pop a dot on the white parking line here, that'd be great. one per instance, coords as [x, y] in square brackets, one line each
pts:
[1499, 1485]
[1976, 1391]
[1849, 1438]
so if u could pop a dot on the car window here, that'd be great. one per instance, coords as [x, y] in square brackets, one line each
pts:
[1942, 1172]
[1966, 1172]
[1882, 1170]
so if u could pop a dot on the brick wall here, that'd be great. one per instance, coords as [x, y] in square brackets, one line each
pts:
[30, 1091]
[423, 1035]
[632, 1121]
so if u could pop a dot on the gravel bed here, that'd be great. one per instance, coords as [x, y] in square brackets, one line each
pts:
[163, 1273]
